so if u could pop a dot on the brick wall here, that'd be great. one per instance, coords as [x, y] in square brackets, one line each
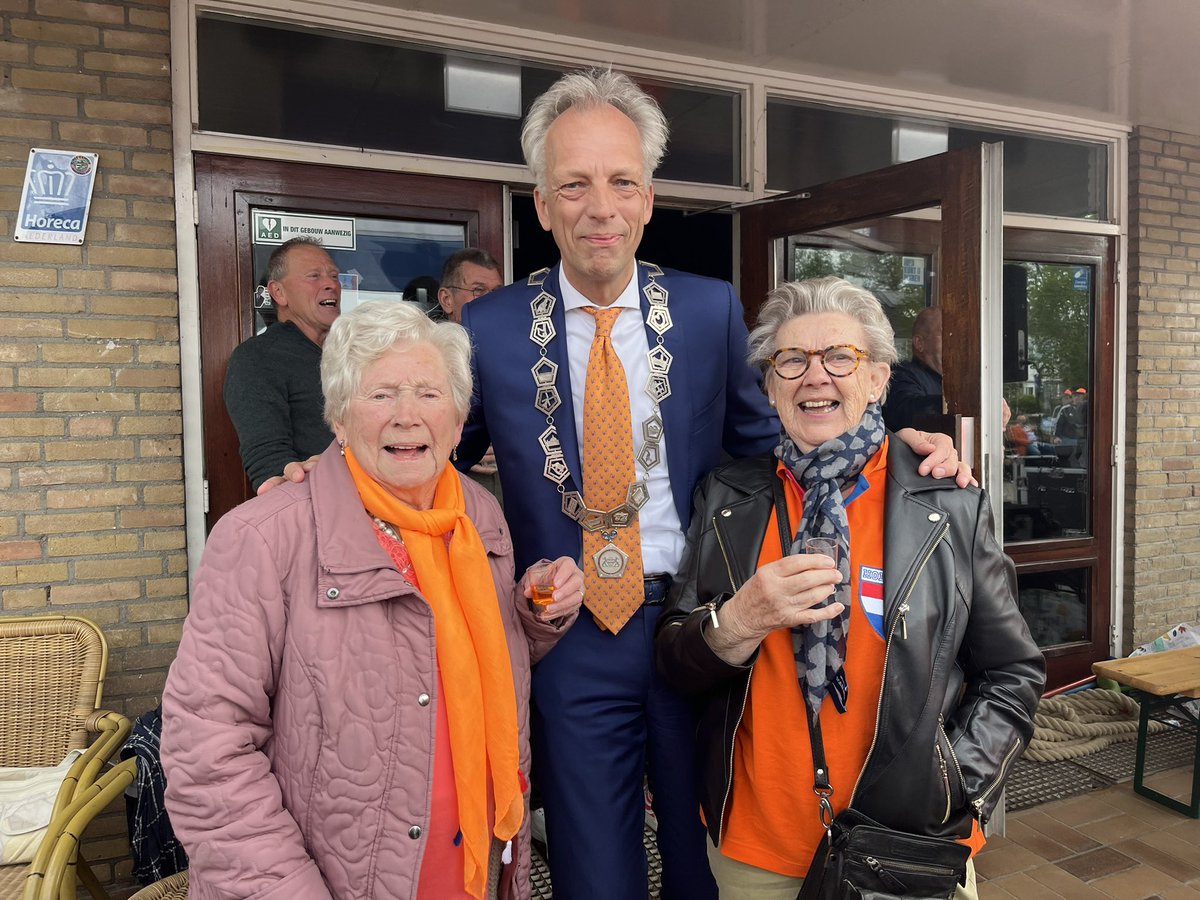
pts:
[1162, 527]
[91, 478]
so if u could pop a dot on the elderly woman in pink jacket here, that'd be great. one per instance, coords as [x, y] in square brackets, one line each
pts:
[347, 716]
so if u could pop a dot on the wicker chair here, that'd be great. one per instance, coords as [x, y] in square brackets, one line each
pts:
[51, 680]
[174, 887]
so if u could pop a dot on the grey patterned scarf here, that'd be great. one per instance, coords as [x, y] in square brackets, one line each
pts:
[823, 473]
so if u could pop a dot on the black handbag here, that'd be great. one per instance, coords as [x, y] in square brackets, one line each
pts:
[860, 858]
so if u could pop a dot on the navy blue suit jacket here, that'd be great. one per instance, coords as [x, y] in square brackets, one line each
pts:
[715, 404]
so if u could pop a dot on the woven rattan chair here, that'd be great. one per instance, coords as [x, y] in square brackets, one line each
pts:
[51, 680]
[175, 887]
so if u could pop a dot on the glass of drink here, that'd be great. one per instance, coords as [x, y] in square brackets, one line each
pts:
[541, 584]
[823, 546]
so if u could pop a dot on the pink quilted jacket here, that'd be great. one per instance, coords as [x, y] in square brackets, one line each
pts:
[300, 714]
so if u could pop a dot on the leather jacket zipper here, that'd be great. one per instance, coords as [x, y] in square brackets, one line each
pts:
[941, 758]
[979, 801]
[902, 611]
[733, 586]
[953, 759]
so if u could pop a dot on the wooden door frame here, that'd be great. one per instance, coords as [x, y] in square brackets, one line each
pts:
[226, 190]
[952, 181]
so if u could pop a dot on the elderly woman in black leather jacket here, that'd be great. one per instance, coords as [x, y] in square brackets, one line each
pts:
[910, 644]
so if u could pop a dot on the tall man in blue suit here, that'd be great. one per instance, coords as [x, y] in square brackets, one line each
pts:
[601, 712]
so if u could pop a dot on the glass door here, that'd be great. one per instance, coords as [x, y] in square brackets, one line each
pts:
[387, 233]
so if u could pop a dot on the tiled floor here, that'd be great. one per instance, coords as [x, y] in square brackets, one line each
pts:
[1110, 843]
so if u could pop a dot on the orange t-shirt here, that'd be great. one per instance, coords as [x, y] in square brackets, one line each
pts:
[773, 821]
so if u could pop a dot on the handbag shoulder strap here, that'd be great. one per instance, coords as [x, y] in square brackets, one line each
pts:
[821, 786]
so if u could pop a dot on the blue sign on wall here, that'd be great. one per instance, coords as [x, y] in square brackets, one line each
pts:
[56, 197]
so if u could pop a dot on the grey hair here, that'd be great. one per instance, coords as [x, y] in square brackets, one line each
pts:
[592, 89]
[821, 295]
[277, 261]
[361, 336]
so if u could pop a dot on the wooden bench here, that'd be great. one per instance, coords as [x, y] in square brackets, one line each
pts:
[1166, 680]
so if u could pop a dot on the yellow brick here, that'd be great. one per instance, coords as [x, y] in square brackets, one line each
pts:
[18, 326]
[52, 254]
[167, 471]
[90, 498]
[161, 611]
[54, 304]
[91, 279]
[41, 426]
[139, 307]
[150, 447]
[13, 501]
[23, 599]
[104, 592]
[128, 136]
[33, 573]
[9, 526]
[146, 209]
[66, 523]
[62, 451]
[122, 329]
[100, 13]
[142, 89]
[158, 114]
[148, 354]
[163, 494]
[150, 425]
[96, 353]
[41, 476]
[63, 377]
[127, 567]
[167, 331]
[133, 257]
[164, 540]
[137, 40]
[59, 82]
[165, 634]
[11, 51]
[109, 208]
[126, 63]
[85, 401]
[56, 57]
[49, 105]
[119, 638]
[147, 378]
[92, 545]
[164, 402]
[17, 353]
[32, 129]
[15, 451]
[144, 281]
[149, 19]
[6, 479]
[142, 185]
[142, 658]
[91, 426]
[158, 235]
[153, 162]
[158, 517]
[177, 564]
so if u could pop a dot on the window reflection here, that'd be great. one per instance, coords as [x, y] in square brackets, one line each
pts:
[1048, 386]
[1055, 605]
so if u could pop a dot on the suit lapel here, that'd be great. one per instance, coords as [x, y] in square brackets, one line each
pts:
[556, 351]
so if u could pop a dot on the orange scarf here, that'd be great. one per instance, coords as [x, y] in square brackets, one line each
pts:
[481, 702]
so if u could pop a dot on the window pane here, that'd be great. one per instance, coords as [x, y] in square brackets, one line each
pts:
[1048, 386]
[1055, 605]
[301, 85]
[808, 145]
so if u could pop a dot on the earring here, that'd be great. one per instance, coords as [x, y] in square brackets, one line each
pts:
[454, 454]
[342, 447]
[771, 403]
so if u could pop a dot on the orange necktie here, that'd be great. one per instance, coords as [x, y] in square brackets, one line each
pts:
[608, 471]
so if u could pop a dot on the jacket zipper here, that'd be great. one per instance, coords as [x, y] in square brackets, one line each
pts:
[724, 555]
[887, 648]
[953, 755]
[979, 801]
[945, 778]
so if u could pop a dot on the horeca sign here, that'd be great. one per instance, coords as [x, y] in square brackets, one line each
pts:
[56, 196]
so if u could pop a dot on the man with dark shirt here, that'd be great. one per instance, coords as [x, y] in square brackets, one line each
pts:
[467, 275]
[916, 388]
[273, 382]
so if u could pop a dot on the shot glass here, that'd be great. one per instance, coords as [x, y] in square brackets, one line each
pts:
[541, 584]
[823, 546]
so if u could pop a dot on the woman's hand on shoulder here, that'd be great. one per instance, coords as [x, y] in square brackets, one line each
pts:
[941, 459]
[567, 579]
[782, 594]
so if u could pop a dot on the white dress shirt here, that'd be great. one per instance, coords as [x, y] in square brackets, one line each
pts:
[662, 532]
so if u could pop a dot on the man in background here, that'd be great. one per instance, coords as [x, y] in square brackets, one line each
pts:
[273, 381]
[466, 275]
[916, 387]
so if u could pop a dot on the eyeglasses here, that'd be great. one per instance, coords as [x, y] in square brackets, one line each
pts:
[477, 291]
[839, 361]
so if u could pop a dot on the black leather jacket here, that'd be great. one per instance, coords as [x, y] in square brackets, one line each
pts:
[962, 675]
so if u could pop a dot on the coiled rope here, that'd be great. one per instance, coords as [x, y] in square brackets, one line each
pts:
[1074, 725]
